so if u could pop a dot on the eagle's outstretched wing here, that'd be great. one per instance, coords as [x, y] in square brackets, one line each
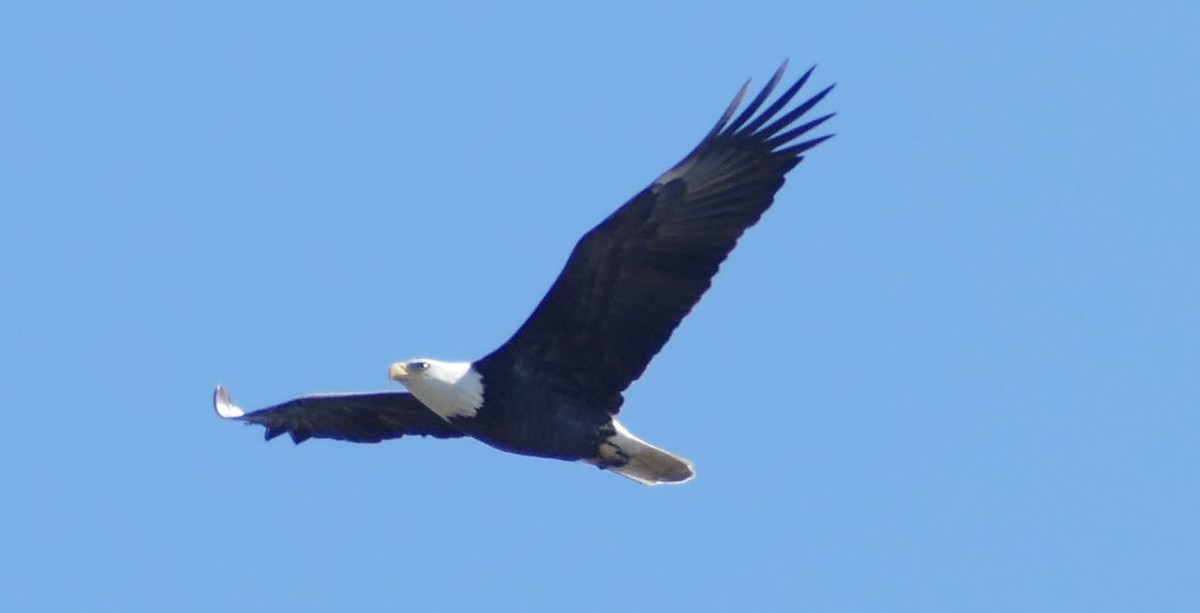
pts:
[361, 418]
[632, 279]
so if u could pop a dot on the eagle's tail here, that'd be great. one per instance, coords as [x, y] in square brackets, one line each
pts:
[646, 463]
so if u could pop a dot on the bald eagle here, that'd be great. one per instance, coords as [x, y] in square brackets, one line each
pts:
[553, 389]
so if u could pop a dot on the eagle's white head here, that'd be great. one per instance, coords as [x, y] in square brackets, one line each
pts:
[450, 389]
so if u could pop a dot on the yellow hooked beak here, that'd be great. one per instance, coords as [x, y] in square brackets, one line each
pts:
[398, 372]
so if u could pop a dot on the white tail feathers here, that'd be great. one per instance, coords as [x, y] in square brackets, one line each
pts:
[648, 464]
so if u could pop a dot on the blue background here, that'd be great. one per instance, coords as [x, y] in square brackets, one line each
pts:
[955, 367]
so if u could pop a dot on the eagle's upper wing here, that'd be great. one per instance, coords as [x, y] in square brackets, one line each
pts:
[631, 280]
[361, 418]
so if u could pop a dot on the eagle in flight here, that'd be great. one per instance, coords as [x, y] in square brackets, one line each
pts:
[553, 390]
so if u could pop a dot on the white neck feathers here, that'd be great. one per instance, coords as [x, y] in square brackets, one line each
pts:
[450, 389]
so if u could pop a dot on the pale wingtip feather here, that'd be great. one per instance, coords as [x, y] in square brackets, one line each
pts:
[224, 406]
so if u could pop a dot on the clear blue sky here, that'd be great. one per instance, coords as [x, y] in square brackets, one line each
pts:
[954, 369]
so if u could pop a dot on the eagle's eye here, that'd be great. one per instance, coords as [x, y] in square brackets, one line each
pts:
[419, 366]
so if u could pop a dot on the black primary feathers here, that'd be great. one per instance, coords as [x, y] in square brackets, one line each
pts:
[359, 418]
[632, 279]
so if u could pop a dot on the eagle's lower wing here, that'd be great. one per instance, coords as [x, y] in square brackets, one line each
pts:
[361, 418]
[632, 279]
